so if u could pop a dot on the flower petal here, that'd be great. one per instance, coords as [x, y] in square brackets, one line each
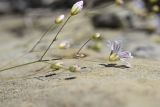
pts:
[125, 55]
[117, 46]
[126, 63]
[114, 45]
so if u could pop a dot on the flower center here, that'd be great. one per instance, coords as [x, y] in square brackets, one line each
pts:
[113, 57]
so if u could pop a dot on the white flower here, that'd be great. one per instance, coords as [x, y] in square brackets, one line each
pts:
[59, 19]
[77, 7]
[116, 53]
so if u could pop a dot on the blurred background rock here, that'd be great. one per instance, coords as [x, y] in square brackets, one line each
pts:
[22, 6]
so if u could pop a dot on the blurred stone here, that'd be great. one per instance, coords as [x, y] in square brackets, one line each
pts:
[59, 4]
[106, 21]
[20, 6]
[144, 51]
[4, 7]
[62, 4]
[99, 2]
[141, 46]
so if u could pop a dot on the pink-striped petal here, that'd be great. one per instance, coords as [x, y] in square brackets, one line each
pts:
[125, 54]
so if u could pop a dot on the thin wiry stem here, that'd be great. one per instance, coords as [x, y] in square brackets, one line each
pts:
[83, 46]
[13, 60]
[27, 64]
[55, 38]
[50, 28]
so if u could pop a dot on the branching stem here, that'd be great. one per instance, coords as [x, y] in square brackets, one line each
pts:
[55, 38]
[50, 28]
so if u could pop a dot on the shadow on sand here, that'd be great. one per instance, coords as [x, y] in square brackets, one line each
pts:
[114, 66]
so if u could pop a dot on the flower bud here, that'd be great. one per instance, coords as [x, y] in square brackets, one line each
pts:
[64, 45]
[74, 68]
[59, 19]
[155, 8]
[119, 2]
[56, 66]
[96, 36]
[77, 7]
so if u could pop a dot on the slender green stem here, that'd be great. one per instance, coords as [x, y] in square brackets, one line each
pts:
[27, 64]
[83, 46]
[55, 38]
[50, 28]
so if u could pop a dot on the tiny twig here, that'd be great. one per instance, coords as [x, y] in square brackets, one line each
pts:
[55, 38]
[83, 46]
[50, 28]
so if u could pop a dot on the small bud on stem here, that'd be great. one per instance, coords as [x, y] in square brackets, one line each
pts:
[77, 7]
[95, 36]
[74, 68]
[59, 19]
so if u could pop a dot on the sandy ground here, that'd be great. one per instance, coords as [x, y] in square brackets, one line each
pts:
[96, 85]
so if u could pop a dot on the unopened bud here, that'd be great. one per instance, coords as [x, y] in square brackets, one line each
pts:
[96, 36]
[56, 66]
[64, 45]
[155, 8]
[77, 7]
[74, 68]
[59, 19]
[119, 2]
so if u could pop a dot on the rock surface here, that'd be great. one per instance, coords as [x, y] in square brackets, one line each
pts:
[96, 85]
